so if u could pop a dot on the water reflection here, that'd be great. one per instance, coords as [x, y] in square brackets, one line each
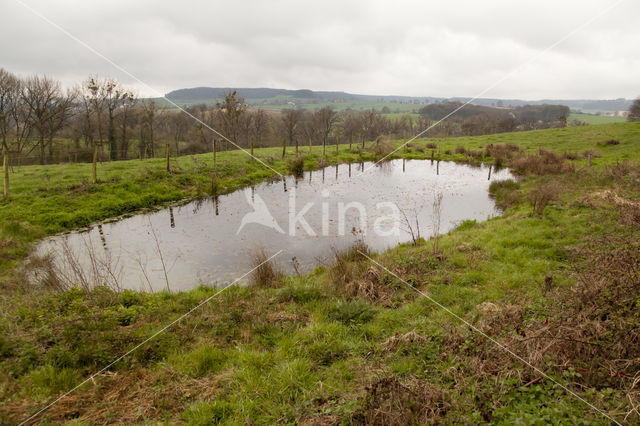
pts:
[201, 243]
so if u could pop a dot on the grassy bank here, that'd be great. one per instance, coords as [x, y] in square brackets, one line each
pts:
[555, 278]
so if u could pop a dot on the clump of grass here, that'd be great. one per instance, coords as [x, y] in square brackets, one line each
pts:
[431, 145]
[352, 312]
[542, 195]
[352, 277]
[266, 273]
[296, 166]
[460, 150]
[506, 192]
[609, 142]
[476, 154]
[215, 184]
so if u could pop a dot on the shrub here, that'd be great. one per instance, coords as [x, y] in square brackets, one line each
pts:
[460, 150]
[296, 166]
[382, 147]
[547, 162]
[542, 195]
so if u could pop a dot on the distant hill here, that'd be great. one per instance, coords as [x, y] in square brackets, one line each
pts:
[283, 98]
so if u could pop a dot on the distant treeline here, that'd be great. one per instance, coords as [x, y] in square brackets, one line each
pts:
[40, 123]
[472, 120]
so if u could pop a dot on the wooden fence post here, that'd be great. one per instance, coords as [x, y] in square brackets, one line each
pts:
[168, 159]
[310, 146]
[5, 168]
[337, 145]
[214, 151]
[251, 145]
[284, 147]
[95, 164]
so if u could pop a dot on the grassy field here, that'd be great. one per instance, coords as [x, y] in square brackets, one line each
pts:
[553, 279]
[595, 119]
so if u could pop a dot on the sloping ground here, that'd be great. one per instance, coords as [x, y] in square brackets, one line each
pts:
[556, 279]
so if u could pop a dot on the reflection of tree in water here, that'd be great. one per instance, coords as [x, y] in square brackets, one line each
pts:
[386, 167]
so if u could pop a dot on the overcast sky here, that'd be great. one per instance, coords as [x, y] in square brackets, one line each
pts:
[417, 48]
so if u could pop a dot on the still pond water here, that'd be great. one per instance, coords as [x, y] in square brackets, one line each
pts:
[207, 242]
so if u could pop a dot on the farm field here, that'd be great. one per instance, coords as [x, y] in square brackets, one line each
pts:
[351, 342]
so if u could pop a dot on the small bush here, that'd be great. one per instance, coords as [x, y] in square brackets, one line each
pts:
[296, 166]
[542, 196]
[460, 150]
[431, 145]
[502, 152]
[382, 147]
[547, 162]
[475, 153]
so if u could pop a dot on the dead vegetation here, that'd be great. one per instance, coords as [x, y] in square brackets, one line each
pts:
[544, 163]
[399, 340]
[354, 278]
[381, 147]
[501, 153]
[595, 328]
[390, 402]
[265, 272]
[542, 195]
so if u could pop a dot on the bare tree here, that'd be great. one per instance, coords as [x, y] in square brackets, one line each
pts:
[324, 119]
[177, 124]
[148, 122]
[260, 126]
[126, 120]
[229, 113]
[352, 127]
[9, 101]
[290, 124]
[49, 109]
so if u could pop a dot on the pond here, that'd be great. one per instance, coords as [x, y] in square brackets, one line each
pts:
[211, 241]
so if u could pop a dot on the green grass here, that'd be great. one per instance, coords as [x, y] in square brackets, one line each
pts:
[595, 119]
[306, 350]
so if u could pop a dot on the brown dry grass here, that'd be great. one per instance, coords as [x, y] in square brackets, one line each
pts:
[352, 277]
[545, 163]
[390, 402]
[266, 272]
[136, 397]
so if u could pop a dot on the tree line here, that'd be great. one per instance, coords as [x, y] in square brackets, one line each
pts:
[42, 123]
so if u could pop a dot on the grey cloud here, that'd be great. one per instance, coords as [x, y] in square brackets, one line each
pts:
[454, 48]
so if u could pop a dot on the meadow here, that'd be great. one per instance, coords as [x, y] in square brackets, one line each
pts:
[554, 278]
